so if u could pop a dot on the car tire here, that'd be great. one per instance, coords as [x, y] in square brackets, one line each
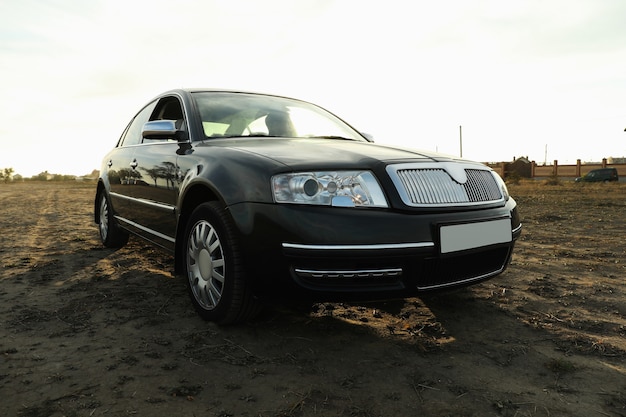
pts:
[213, 267]
[111, 234]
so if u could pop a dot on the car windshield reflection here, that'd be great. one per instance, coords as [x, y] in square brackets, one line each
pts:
[228, 115]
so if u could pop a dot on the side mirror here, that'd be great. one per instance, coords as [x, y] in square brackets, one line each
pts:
[163, 129]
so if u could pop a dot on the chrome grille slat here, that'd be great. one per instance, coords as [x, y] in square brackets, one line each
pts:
[432, 185]
[482, 185]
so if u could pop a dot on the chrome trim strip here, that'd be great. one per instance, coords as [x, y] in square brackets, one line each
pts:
[517, 229]
[145, 229]
[376, 273]
[361, 247]
[159, 206]
[156, 205]
[464, 281]
[122, 196]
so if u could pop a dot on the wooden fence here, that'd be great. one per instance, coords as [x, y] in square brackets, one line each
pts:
[533, 170]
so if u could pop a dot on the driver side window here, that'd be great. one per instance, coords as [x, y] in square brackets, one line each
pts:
[169, 108]
[132, 136]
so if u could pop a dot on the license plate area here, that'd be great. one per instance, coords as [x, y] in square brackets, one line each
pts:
[467, 236]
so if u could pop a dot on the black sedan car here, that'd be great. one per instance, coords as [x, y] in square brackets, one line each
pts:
[260, 197]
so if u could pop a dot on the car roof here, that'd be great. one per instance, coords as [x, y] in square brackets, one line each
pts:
[223, 90]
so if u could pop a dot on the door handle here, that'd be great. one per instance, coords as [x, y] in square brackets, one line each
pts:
[134, 164]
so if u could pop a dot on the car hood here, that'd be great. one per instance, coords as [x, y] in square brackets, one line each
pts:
[303, 153]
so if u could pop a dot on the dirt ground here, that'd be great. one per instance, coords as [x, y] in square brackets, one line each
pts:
[89, 331]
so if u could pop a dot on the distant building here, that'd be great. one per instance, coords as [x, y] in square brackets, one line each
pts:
[520, 167]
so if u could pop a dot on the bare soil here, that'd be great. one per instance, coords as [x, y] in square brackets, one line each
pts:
[89, 331]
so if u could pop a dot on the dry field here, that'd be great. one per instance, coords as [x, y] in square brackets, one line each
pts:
[88, 331]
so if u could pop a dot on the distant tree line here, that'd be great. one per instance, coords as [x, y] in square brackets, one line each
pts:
[7, 175]
[45, 176]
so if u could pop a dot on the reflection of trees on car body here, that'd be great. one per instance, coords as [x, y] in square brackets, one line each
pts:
[166, 171]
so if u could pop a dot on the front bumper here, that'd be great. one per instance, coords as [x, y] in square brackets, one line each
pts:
[338, 253]
[410, 271]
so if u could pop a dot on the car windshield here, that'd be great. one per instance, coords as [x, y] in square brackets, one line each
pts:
[237, 114]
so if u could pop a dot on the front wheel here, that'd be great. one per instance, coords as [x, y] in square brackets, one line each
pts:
[111, 235]
[214, 268]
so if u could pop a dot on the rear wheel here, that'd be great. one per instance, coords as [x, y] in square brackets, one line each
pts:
[111, 235]
[214, 269]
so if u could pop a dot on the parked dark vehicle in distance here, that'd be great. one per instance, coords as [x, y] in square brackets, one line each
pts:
[599, 175]
[262, 197]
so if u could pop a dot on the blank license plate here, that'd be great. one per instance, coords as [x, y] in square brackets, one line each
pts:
[460, 237]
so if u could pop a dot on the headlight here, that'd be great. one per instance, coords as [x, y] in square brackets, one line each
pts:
[338, 188]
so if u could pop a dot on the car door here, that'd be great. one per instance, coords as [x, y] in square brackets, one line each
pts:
[121, 173]
[153, 197]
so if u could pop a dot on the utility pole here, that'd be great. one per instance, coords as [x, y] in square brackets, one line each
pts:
[461, 141]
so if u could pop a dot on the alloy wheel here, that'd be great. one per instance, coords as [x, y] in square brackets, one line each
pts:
[206, 267]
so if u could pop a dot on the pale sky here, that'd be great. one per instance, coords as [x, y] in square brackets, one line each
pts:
[520, 76]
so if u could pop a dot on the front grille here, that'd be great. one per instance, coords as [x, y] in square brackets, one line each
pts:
[434, 186]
